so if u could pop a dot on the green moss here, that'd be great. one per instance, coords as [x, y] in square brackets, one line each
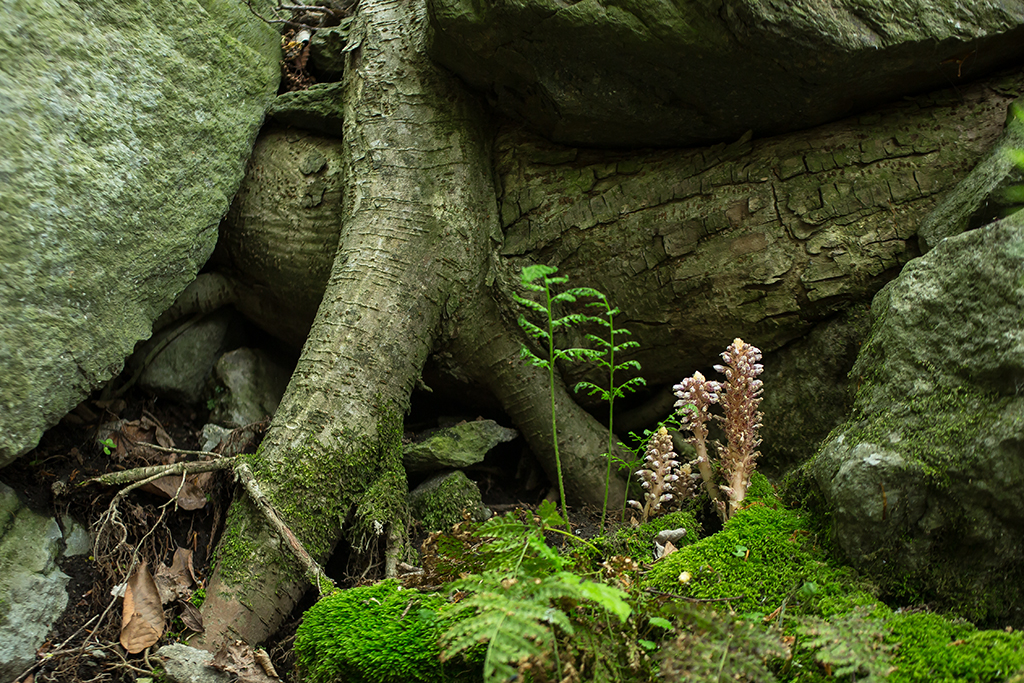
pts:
[935, 649]
[763, 556]
[316, 489]
[938, 429]
[441, 508]
[374, 634]
[761, 491]
[638, 542]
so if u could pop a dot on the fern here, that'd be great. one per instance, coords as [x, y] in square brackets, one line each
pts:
[517, 602]
[851, 645]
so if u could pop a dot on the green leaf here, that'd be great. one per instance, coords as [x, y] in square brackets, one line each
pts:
[536, 272]
[607, 597]
[530, 303]
[533, 330]
[532, 358]
[1016, 156]
[660, 622]
[548, 513]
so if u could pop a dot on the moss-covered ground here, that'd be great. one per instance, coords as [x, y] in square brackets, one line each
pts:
[763, 598]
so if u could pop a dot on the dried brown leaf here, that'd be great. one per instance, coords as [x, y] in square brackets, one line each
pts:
[190, 496]
[142, 619]
[175, 582]
[192, 617]
[239, 659]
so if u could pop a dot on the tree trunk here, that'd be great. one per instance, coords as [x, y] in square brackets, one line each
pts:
[765, 237]
[419, 217]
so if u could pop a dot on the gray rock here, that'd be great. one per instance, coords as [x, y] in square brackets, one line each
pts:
[463, 445]
[807, 391]
[213, 435]
[439, 501]
[326, 49]
[184, 664]
[77, 539]
[254, 385]
[635, 72]
[924, 480]
[125, 131]
[180, 370]
[32, 587]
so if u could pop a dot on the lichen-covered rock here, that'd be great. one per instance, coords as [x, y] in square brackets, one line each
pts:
[317, 109]
[438, 503]
[125, 133]
[461, 445]
[925, 479]
[684, 72]
[32, 586]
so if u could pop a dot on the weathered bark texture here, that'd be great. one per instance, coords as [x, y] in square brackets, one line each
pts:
[978, 199]
[418, 202]
[281, 234]
[759, 239]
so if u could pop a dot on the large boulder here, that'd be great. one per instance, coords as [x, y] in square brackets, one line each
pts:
[924, 481]
[125, 132]
[684, 72]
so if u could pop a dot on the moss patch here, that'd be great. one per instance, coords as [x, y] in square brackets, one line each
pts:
[935, 649]
[374, 634]
[316, 489]
[763, 557]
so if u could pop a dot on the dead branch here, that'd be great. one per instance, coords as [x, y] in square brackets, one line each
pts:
[144, 475]
[314, 572]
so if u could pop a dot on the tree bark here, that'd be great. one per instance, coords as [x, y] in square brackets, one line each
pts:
[758, 239]
[419, 217]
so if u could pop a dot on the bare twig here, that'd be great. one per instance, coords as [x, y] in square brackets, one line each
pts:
[145, 475]
[314, 572]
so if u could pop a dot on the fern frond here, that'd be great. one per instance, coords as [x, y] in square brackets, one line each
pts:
[511, 627]
[533, 330]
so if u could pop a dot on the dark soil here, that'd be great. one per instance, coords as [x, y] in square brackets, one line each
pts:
[84, 644]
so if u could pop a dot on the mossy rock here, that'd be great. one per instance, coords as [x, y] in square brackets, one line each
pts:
[374, 634]
[440, 501]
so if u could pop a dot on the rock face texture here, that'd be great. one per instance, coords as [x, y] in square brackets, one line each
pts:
[125, 131]
[924, 480]
[684, 72]
[32, 594]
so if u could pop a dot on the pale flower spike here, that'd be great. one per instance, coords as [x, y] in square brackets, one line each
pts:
[739, 396]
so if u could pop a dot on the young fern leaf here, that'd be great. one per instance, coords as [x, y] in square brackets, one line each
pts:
[539, 278]
[604, 356]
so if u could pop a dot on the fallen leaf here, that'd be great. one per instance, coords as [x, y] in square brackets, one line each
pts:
[239, 659]
[175, 582]
[190, 496]
[192, 617]
[142, 619]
